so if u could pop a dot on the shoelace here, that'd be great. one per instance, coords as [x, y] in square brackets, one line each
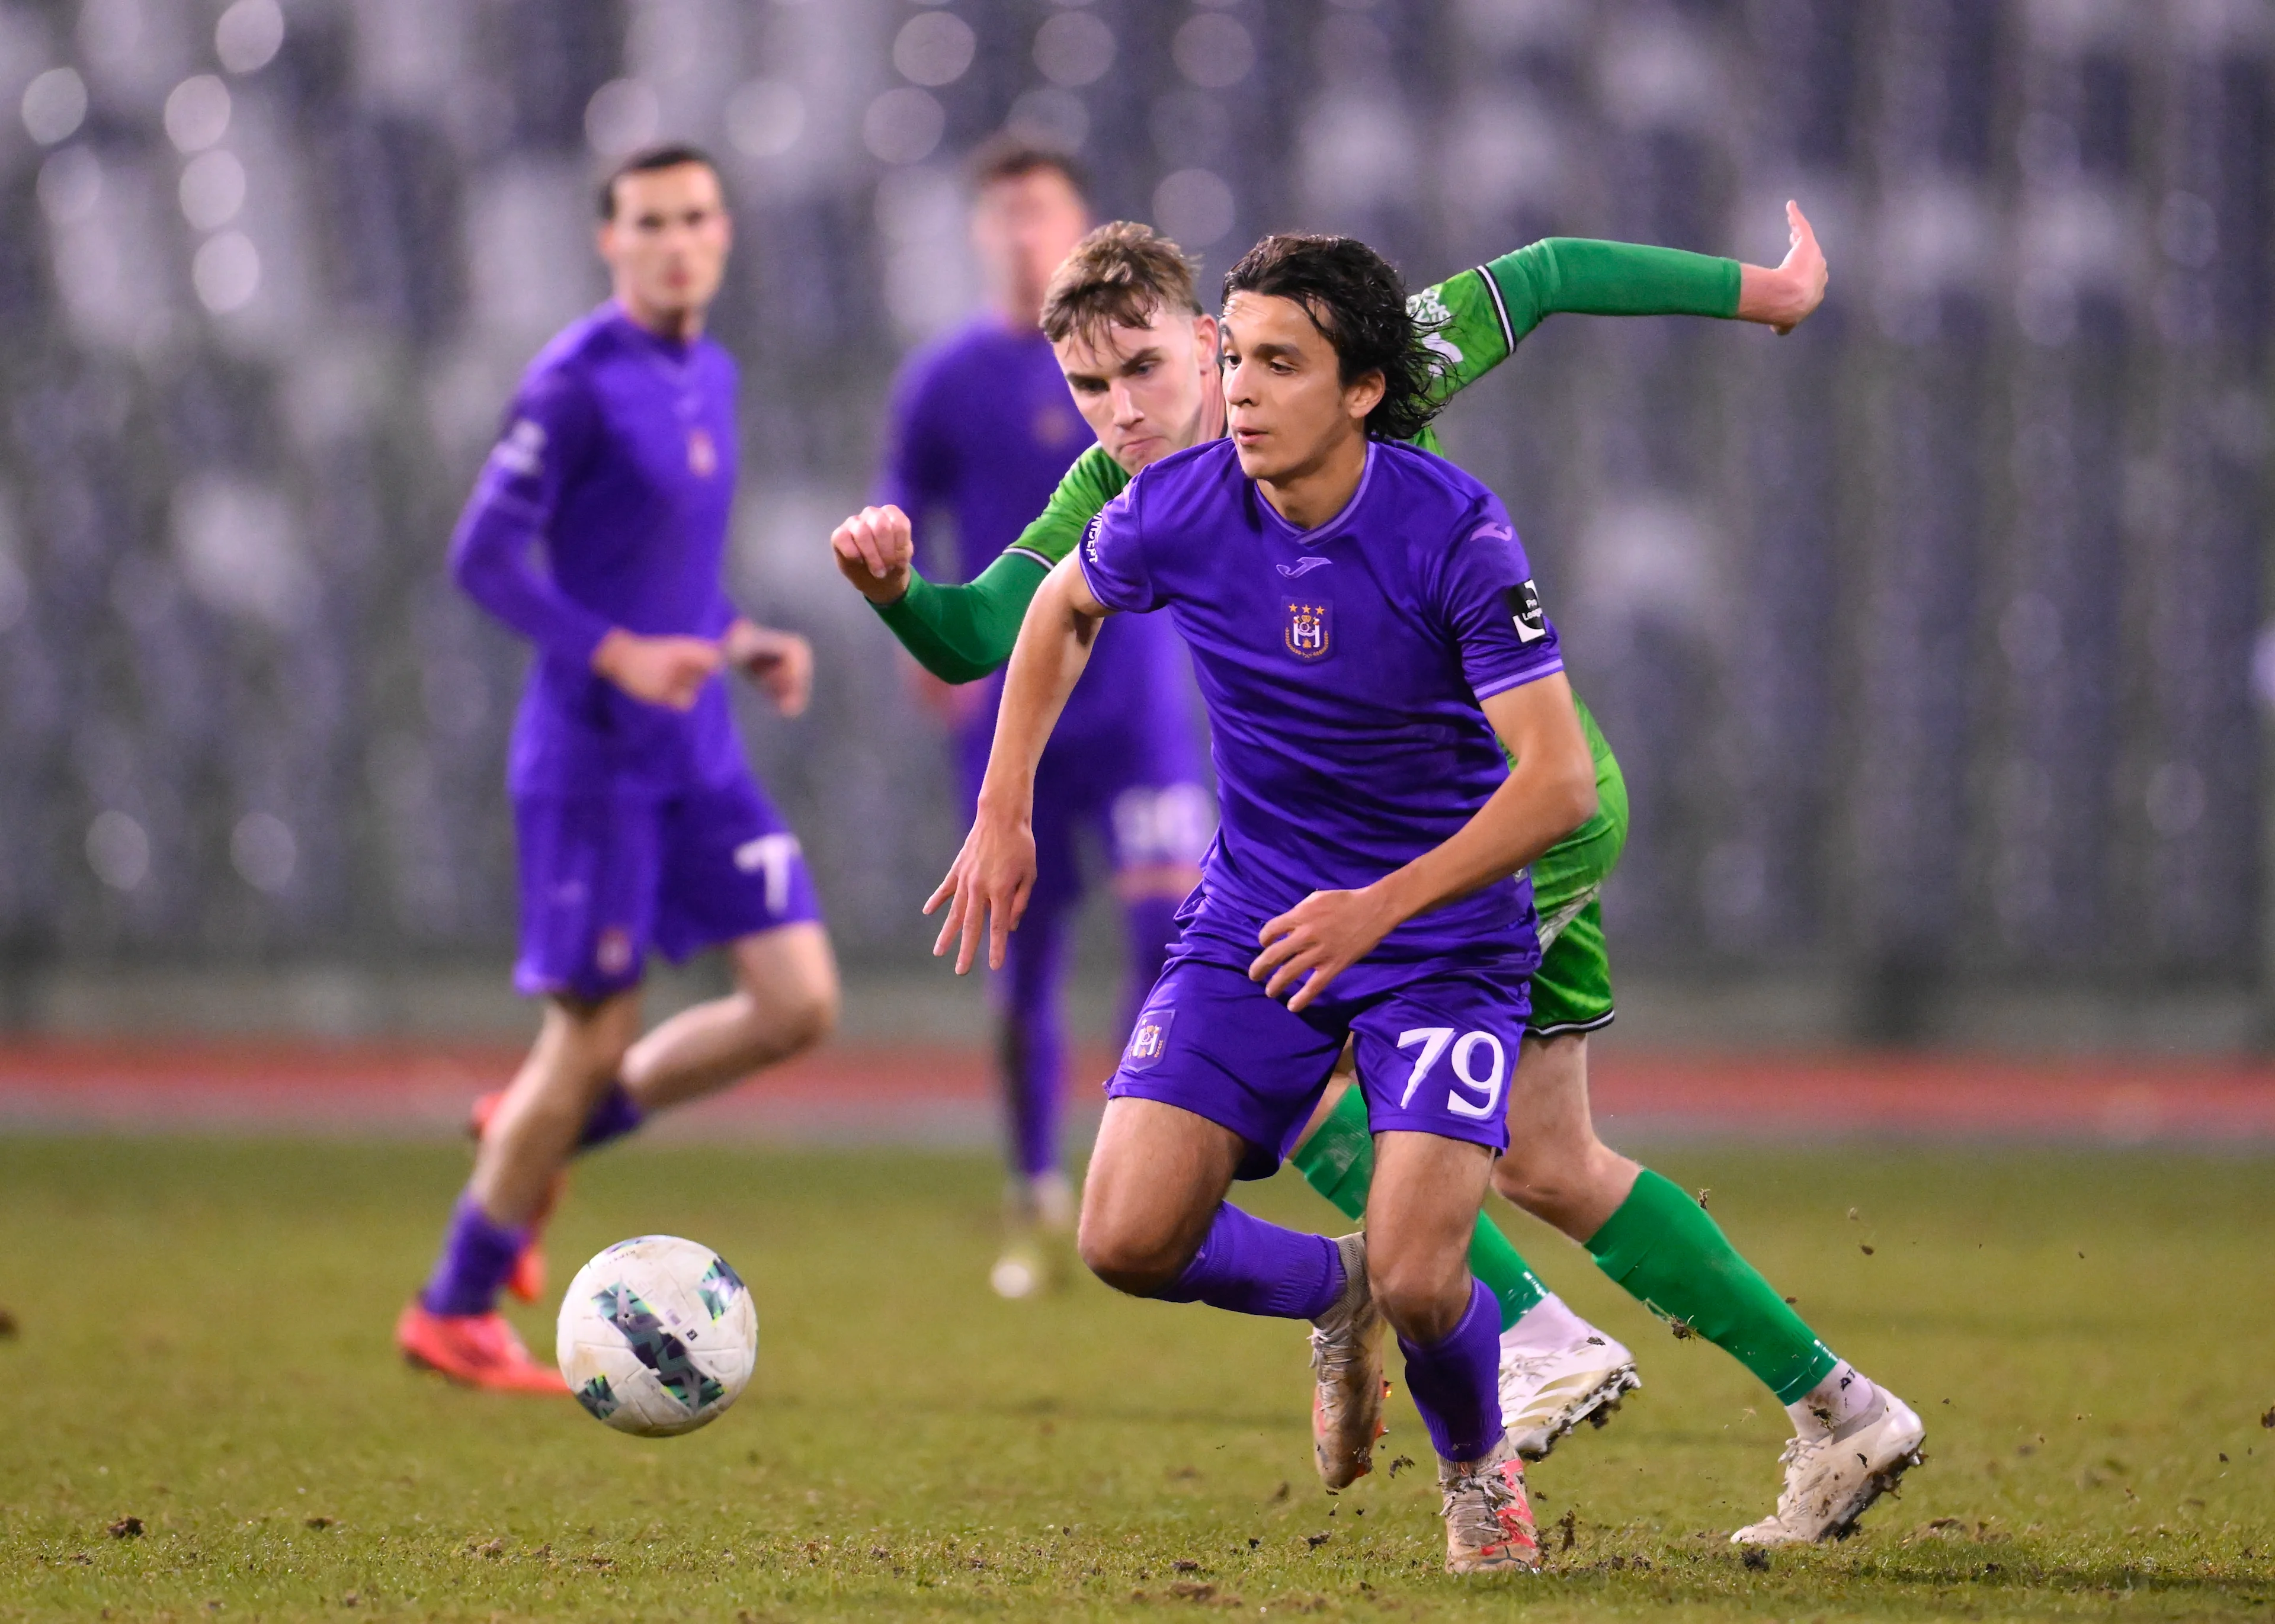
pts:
[1798, 1452]
[1473, 1502]
[1334, 1351]
[1334, 1355]
[1526, 1370]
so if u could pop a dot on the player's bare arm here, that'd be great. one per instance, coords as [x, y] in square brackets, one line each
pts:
[780, 662]
[1550, 792]
[669, 671]
[1783, 299]
[994, 874]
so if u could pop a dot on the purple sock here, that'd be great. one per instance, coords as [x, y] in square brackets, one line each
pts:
[1456, 1384]
[1253, 1267]
[1151, 924]
[1034, 1043]
[478, 1253]
[616, 1114]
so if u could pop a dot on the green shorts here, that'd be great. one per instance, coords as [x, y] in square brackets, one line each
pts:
[1572, 989]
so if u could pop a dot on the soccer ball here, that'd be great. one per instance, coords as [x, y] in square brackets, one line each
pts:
[657, 1336]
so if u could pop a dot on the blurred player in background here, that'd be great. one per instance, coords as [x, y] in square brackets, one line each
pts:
[1140, 355]
[982, 432]
[638, 821]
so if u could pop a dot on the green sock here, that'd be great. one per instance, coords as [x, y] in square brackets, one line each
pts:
[1665, 1252]
[1338, 1161]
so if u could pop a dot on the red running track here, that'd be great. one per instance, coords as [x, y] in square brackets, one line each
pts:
[867, 1092]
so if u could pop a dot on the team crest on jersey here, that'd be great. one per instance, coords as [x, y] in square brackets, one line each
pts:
[1149, 1041]
[702, 454]
[1310, 634]
[1432, 319]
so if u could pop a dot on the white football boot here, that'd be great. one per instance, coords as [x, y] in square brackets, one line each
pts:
[1346, 1371]
[1545, 1394]
[1832, 1480]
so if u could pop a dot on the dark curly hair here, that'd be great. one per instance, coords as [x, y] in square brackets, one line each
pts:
[1356, 298]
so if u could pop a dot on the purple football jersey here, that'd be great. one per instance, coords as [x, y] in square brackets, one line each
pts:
[616, 467]
[1342, 668]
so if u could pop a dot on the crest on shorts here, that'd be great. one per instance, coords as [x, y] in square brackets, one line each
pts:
[612, 951]
[702, 453]
[1148, 1042]
[1309, 635]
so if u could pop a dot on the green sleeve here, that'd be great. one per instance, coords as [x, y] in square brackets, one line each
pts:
[1474, 321]
[1094, 481]
[961, 634]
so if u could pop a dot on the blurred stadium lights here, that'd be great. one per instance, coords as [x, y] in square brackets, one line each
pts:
[1927, 636]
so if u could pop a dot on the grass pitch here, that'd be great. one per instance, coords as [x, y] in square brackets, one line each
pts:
[203, 1348]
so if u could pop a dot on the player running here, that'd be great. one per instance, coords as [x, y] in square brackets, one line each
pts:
[982, 432]
[1139, 355]
[1363, 623]
[638, 821]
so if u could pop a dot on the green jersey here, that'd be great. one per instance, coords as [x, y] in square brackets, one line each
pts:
[1470, 322]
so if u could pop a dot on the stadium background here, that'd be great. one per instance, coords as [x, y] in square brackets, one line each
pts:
[1931, 637]
[1927, 636]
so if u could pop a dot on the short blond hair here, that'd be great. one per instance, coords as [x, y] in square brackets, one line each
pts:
[1121, 275]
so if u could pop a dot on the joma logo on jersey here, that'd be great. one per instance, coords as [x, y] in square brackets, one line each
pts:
[1309, 635]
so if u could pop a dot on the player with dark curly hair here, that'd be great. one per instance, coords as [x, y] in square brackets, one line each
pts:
[1140, 353]
[1354, 297]
[1357, 613]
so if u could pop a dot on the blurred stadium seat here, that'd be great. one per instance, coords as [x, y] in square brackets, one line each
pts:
[1927, 636]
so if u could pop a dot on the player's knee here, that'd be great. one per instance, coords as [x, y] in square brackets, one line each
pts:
[1423, 1300]
[788, 1015]
[1127, 1259]
[589, 1046]
[810, 1017]
[1538, 1185]
[1556, 1186]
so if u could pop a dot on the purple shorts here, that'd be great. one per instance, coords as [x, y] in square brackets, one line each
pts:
[1437, 1044]
[604, 879]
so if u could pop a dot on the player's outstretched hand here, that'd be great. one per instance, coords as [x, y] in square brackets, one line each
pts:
[780, 662]
[874, 549]
[1321, 936]
[1784, 299]
[987, 888]
[669, 671]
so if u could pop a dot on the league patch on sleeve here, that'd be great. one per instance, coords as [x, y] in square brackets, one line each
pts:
[1522, 602]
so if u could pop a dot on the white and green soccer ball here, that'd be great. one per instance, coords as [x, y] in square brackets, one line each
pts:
[657, 1336]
